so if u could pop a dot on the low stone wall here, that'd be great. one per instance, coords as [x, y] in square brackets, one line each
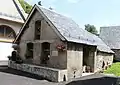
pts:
[55, 75]
[106, 57]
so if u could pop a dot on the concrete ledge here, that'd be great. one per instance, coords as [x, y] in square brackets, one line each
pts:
[55, 75]
[87, 74]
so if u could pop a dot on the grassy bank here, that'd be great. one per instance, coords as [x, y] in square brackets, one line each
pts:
[114, 69]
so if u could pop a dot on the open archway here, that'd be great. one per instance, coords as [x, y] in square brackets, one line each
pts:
[7, 32]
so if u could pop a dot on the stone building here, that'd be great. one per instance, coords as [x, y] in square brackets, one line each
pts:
[110, 35]
[57, 47]
[12, 17]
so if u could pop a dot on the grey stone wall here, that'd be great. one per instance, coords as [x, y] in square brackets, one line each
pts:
[106, 57]
[54, 75]
[75, 62]
[47, 35]
[37, 53]
[28, 35]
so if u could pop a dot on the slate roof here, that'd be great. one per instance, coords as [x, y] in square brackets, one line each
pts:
[69, 30]
[12, 10]
[111, 36]
[72, 32]
[101, 46]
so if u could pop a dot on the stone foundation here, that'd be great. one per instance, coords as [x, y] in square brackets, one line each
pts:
[55, 75]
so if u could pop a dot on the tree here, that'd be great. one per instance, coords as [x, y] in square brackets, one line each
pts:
[27, 7]
[91, 28]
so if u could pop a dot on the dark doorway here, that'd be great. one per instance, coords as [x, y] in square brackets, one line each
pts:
[45, 52]
[88, 58]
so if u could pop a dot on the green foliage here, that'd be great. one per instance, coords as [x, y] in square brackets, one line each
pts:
[91, 29]
[27, 7]
[114, 69]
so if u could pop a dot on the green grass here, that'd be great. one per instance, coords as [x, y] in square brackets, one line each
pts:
[114, 69]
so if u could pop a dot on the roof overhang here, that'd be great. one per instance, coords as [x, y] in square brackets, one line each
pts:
[105, 52]
[11, 20]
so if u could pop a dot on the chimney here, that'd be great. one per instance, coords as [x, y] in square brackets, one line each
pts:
[39, 3]
[51, 8]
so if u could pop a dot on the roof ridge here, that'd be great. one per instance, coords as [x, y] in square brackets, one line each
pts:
[55, 12]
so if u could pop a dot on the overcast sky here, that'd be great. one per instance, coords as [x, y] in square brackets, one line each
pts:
[95, 12]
